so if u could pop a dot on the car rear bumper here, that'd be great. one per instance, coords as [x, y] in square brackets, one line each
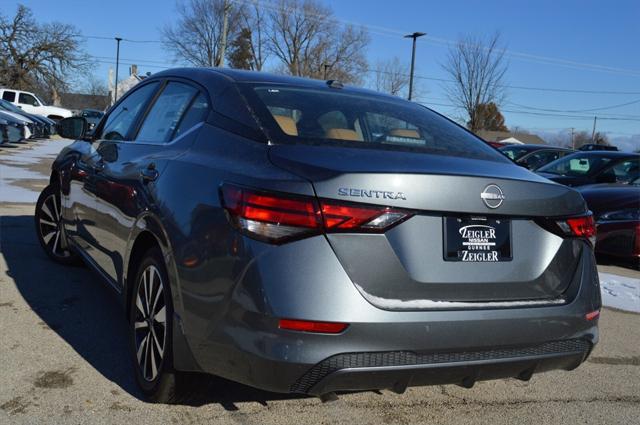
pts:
[239, 338]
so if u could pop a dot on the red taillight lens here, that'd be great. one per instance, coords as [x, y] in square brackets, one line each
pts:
[309, 326]
[342, 217]
[271, 217]
[583, 227]
[278, 217]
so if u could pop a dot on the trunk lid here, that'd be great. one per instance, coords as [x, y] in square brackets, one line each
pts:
[405, 268]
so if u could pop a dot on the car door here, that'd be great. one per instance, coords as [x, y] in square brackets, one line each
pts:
[80, 203]
[28, 103]
[126, 185]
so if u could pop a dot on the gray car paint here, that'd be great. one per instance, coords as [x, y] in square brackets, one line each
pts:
[229, 290]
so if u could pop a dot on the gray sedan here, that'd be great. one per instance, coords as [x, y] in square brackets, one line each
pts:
[302, 236]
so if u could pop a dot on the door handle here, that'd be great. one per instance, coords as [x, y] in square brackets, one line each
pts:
[149, 174]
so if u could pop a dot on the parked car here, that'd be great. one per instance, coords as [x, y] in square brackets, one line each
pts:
[301, 236]
[616, 209]
[583, 168]
[18, 119]
[93, 117]
[30, 103]
[534, 156]
[596, 147]
[39, 126]
[11, 131]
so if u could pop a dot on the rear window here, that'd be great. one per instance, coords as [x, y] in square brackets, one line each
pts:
[514, 153]
[328, 116]
[9, 96]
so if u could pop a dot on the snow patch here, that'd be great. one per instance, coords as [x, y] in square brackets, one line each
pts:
[620, 292]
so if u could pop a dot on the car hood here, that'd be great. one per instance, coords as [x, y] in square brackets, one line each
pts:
[15, 117]
[60, 111]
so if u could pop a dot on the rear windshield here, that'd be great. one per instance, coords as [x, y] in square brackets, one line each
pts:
[329, 116]
[576, 165]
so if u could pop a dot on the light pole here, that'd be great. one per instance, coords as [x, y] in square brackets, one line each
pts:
[415, 35]
[115, 97]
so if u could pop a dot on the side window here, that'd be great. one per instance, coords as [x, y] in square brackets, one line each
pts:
[164, 117]
[9, 96]
[122, 118]
[194, 115]
[27, 99]
[627, 171]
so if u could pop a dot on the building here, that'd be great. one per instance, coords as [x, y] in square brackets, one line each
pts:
[125, 84]
[79, 101]
[502, 136]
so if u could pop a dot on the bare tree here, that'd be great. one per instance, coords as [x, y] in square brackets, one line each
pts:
[199, 34]
[95, 86]
[391, 76]
[478, 69]
[310, 42]
[39, 56]
[254, 19]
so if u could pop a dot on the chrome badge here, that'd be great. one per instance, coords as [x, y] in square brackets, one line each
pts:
[492, 196]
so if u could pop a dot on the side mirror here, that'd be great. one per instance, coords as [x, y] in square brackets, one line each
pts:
[72, 128]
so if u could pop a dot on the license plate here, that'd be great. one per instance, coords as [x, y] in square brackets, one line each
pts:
[477, 239]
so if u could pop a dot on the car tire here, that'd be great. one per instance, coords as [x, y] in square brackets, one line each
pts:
[150, 331]
[49, 228]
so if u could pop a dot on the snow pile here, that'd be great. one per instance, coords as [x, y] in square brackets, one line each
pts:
[620, 292]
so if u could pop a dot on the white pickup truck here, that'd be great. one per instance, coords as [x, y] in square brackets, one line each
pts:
[30, 103]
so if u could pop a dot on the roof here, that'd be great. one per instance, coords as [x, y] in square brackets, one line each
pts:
[607, 154]
[245, 76]
[531, 148]
[499, 136]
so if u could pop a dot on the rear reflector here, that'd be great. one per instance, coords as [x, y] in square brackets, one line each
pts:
[309, 326]
[593, 315]
[278, 217]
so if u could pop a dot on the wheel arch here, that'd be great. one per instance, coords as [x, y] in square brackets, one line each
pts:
[147, 233]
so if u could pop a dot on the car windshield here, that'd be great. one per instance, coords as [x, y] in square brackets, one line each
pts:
[579, 164]
[332, 117]
[514, 152]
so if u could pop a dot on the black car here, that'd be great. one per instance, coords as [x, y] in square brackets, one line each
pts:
[596, 147]
[582, 168]
[534, 156]
[616, 209]
[93, 117]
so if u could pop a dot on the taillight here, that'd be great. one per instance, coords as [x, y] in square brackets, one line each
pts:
[271, 217]
[277, 217]
[581, 227]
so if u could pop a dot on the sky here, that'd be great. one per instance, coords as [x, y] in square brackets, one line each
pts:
[587, 52]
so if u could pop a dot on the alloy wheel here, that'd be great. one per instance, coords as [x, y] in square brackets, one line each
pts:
[150, 323]
[49, 223]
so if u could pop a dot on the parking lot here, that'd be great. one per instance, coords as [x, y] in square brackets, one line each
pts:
[64, 357]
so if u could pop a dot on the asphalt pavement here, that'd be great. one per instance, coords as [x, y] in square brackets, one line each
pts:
[63, 355]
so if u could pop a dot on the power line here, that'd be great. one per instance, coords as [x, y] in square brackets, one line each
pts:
[547, 89]
[604, 108]
[390, 32]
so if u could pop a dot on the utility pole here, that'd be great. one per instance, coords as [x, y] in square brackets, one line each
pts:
[573, 144]
[326, 69]
[115, 97]
[414, 36]
[593, 133]
[225, 29]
